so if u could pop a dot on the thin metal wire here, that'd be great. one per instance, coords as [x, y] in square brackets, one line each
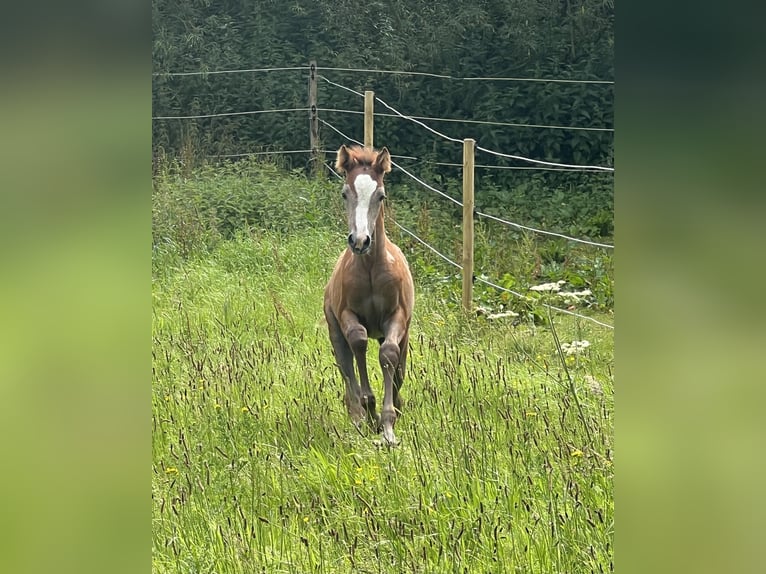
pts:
[341, 86]
[455, 201]
[518, 157]
[274, 152]
[494, 285]
[543, 232]
[511, 291]
[228, 71]
[332, 127]
[394, 72]
[482, 122]
[430, 129]
[328, 166]
[519, 167]
[359, 112]
[424, 184]
[229, 114]
[541, 162]
[447, 77]
[447, 259]
[552, 307]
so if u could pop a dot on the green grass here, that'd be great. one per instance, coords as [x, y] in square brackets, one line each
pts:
[257, 468]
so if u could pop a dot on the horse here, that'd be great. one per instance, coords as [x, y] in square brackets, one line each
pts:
[370, 293]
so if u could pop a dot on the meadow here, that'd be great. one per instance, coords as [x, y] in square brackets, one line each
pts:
[505, 460]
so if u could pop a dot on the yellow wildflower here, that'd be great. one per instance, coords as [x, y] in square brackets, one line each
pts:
[171, 470]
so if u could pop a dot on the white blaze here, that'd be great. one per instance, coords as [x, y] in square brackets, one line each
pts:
[365, 187]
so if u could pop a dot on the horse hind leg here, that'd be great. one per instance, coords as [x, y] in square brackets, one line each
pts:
[390, 356]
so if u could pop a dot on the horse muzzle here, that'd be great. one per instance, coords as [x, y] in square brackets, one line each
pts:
[359, 245]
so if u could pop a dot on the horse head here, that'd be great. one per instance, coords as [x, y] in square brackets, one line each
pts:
[363, 192]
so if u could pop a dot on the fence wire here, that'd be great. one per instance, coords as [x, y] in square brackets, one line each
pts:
[478, 213]
[416, 119]
[216, 72]
[392, 72]
[461, 121]
[454, 264]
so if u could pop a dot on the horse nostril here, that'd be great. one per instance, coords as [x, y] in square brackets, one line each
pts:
[351, 239]
[367, 241]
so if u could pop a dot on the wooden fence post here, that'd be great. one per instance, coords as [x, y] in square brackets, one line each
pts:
[468, 206]
[314, 120]
[369, 106]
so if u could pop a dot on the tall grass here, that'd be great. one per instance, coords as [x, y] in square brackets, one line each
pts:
[257, 468]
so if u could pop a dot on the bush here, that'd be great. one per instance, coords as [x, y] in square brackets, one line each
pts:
[193, 212]
[196, 210]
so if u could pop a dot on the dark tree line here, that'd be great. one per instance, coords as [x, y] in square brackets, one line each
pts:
[570, 39]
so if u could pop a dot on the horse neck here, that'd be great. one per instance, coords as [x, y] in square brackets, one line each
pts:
[379, 249]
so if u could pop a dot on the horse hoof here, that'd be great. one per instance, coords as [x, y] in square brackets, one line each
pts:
[380, 443]
[389, 438]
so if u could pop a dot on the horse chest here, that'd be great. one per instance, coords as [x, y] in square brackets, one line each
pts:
[373, 306]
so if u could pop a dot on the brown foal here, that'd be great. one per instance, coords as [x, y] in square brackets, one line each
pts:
[370, 292]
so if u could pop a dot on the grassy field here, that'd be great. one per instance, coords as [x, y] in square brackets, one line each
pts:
[256, 467]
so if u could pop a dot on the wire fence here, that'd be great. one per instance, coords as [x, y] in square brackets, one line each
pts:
[390, 72]
[460, 267]
[479, 213]
[419, 120]
[225, 114]
[460, 141]
[218, 72]
[476, 122]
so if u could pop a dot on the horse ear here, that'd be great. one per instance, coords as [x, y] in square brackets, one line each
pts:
[344, 161]
[383, 161]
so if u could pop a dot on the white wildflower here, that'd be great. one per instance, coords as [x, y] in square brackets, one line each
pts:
[574, 347]
[502, 315]
[593, 385]
[574, 296]
[556, 286]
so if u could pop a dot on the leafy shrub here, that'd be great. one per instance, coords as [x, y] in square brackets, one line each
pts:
[211, 203]
[193, 212]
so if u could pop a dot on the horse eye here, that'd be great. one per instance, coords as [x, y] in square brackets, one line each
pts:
[343, 195]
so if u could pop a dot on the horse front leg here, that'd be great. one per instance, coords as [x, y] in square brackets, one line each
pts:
[345, 361]
[391, 356]
[356, 336]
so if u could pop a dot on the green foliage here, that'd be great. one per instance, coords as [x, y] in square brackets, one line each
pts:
[546, 39]
[504, 38]
[194, 210]
[197, 209]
